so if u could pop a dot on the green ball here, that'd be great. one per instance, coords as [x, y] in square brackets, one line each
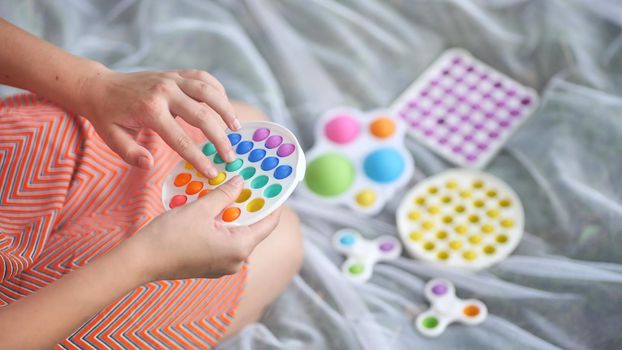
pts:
[330, 175]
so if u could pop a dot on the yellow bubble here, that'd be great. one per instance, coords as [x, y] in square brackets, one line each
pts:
[479, 203]
[218, 179]
[478, 184]
[455, 244]
[441, 234]
[366, 198]
[428, 225]
[489, 249]
[491, 193]
[502, 238]
[451, 184]
[188, 165]
[416, 235]
[428, 245]
[469, 255]
[434, 210]
[492, 213]
[446, 199]
[474, 219]
[448, 219]
[461, 229]
[505, 202]
[442, 255]
[488, 228]
[414, 215]
[465, 194]
[459, 208]
[507, 223]
[475, 239]
[432, 190]
[420, 200]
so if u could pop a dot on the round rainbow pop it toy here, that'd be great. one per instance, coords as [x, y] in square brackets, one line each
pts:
[270, 161]
[359, 159]
[462, 218]
[446, 308]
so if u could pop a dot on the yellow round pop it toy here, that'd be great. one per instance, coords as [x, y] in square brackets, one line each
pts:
[462, 218]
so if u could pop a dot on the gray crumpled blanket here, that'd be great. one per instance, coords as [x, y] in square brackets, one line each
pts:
[561, 289]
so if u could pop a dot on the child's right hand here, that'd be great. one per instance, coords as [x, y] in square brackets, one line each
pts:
[190, 242]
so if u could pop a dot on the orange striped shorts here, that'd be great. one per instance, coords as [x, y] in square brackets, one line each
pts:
[65, 199]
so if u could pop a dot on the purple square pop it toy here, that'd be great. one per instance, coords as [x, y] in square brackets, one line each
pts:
[463, 109]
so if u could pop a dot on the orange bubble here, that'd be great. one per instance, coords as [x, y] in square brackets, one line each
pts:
[382, 127]
[471, 310]
[182, 179]
[230, 214]
[204, 193]
[194, 187]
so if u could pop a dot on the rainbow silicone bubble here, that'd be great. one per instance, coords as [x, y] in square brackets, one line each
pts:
[363, 254]
[463, 109]
[446, 308]
[463, 218]
[270, 161]
[359, 159]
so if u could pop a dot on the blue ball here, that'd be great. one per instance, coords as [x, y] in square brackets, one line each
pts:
[384, 165]
[234, 138]
[256, 155]
[347, 240]
[282, 172]
[244, 147]
[269, 163]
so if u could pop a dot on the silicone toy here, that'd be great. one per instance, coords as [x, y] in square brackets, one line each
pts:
[359, 160]
[462, 218]
[270, 161]
[463, 109]
[446, 308]
[363, 253]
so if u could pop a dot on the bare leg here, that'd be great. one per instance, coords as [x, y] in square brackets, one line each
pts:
[273, 263]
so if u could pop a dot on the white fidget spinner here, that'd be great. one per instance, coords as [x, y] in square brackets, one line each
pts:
[363, 253]
[446, 308]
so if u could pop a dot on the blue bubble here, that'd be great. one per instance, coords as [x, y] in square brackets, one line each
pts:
[384, 165]
[347, 240]
[244, 147]
[269, 163]
[282, 172]
[256, 155]
[234, 138]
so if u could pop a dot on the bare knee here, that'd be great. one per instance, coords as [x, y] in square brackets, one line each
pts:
[247, 112]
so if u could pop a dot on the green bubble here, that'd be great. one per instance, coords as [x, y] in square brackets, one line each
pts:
[356, 269]
[272, 191]
[209, 149]
[218, 159]
[259, 181]
[430, 322]
[247, 173]
[330, 175]
[235, 165]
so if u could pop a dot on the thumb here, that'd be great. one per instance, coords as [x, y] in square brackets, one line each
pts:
[122, 143]
[222, 196]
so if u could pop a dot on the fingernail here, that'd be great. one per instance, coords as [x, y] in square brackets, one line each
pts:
[211, 173]
[236, 124]
[144, 163]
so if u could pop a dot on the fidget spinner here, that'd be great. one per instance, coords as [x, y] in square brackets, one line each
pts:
[446, 308]
[363, 253]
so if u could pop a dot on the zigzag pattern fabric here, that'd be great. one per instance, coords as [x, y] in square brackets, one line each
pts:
[65, 199]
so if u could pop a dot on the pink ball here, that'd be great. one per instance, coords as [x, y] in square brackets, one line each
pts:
[342, 129]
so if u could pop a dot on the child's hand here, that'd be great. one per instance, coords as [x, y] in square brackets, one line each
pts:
[119, 105]
[189, 242]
